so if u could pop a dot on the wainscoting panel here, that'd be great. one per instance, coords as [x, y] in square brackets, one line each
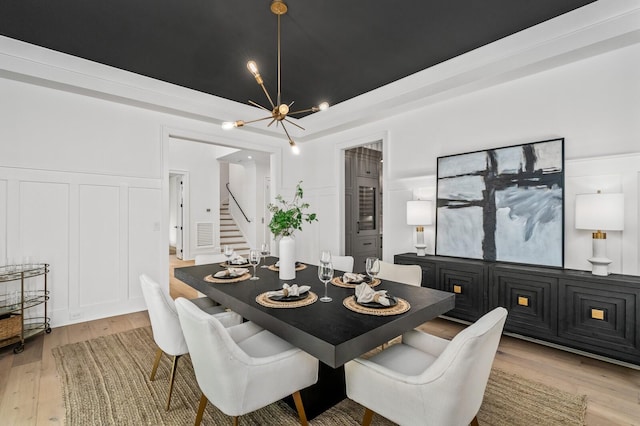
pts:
[98, 244]
[145, 248]
[44, 233]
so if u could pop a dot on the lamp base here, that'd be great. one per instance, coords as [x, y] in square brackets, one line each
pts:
[599, 261]
[421, 248]
[600, 266]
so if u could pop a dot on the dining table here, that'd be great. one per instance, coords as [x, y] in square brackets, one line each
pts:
[332, 332]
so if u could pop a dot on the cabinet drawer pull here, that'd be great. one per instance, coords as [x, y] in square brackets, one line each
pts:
[457, 289]
[523, 301]
[597, 314]
[366, 244]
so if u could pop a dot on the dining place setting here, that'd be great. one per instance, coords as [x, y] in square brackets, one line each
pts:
[289, 296]
[365, 299]
[353, 279]
[234, 267]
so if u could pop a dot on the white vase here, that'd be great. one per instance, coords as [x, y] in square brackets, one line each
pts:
[287, 265]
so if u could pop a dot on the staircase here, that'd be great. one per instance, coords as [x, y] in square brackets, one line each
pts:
[230, 233]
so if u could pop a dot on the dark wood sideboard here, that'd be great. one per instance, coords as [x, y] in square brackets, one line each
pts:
[574, 310]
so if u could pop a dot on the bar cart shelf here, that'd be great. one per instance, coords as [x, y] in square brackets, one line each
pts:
[17, 319]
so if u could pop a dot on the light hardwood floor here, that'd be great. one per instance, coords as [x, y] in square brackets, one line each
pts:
[30, 392]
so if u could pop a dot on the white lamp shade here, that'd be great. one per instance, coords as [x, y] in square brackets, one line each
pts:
[600, 212]
[419, 212]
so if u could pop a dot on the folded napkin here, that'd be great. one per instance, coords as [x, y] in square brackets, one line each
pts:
[365, 294]
[239, 260]
[230, 273]
[288, 290]
[351, 277]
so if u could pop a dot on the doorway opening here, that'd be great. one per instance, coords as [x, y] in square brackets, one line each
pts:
[177, 183]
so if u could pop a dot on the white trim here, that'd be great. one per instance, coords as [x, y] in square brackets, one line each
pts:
[599, 27]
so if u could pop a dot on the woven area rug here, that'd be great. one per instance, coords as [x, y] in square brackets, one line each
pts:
[106, 382]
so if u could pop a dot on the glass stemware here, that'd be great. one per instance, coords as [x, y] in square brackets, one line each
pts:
[228, 252]
[325, 256]
[264, 251]
[372, 267]
[254, 260]
[325, 274]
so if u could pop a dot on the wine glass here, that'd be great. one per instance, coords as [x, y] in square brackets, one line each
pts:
[254, 260]
[372, 267]
[228, 252]
[325, 256]
[264, 251]
[325, 274]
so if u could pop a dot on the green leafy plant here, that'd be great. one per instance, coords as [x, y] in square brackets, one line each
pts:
[289, 216]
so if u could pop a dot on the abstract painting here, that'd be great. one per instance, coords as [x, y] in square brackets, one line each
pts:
[504, 204]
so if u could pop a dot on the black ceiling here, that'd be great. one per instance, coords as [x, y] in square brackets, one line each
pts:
[332, 50]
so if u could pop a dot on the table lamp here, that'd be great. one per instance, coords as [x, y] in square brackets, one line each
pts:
[600, 212]
[419, 214]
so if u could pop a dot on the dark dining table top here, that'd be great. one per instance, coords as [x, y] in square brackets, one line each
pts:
[328, 331]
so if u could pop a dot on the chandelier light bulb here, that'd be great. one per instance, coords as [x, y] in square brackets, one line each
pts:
[228, 125]
[294, 147]
[253, 67]
[323, 106]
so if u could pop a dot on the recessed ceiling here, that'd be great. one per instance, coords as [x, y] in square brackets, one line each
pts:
[331, 50]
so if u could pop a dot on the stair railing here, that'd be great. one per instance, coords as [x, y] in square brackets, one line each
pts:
[236, 201]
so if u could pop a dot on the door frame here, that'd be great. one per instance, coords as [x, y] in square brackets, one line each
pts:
[339, 158]
[186, 229]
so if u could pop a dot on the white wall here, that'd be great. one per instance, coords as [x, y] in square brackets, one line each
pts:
[593, 103]
[246, 181]
[84, 187]
[241, 185]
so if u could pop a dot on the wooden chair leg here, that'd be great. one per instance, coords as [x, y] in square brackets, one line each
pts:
[368, 415]
[172, 379]
[201, 407]
[298, 400]
[235, 420]
[474, 422]
[155, 364]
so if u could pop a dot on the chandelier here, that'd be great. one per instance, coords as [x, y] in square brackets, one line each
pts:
[279, 112]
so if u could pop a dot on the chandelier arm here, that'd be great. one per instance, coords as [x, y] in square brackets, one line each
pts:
[297, 125]
[285, 130]
[312, 109]
[264, 89]
[259, 119]
[279, 74]
[258, 105]
[271, 122]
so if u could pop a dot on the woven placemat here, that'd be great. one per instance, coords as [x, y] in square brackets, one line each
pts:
[337, 281]
[402, 307]
[300, 267]
[212, 279]
[263, 299]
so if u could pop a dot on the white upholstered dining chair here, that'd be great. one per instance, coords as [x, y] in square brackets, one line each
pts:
[426, 380]
[406, 274]
[203, 259]
[243, 368]
[165, 324]
[342, 263]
